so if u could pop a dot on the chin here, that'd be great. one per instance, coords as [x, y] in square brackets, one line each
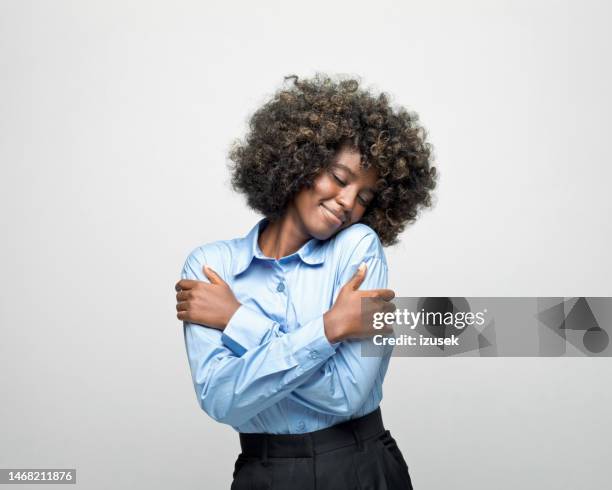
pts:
[319, 230]
[321, 234]
[322, 231]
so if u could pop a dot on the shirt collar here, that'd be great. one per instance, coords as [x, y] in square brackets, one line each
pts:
[311, 252]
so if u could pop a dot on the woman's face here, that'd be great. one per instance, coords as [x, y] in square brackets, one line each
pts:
[338, 198]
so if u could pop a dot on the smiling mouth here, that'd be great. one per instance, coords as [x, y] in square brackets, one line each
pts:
[333, 216]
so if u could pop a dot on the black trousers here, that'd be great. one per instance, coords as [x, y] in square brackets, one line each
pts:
[355, 455]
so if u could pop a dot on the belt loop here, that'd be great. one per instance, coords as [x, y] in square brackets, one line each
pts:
[311, 442]
[356, 435]
[264, 450]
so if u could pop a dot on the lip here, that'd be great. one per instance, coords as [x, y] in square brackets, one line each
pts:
[333, 216]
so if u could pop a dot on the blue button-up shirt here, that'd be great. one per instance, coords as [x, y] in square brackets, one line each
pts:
[272, 369]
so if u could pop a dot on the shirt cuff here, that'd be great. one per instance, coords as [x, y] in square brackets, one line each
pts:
[310, 347]
[329, 347]
[245, 330]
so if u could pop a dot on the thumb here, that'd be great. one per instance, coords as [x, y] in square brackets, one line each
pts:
[359, 276]
[212, 276]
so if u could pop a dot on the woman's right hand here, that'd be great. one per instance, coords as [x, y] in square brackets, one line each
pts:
[344, 319]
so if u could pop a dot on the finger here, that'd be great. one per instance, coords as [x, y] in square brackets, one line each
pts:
[388, 307]
[386, 294]
[386, 330]
[188, 294]
[383, 294]
[359, 276]
[212, 276]
[182, 306]
[378, 305]
[185, 284]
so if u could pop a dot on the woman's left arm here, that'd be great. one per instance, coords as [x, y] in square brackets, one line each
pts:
[345, 382]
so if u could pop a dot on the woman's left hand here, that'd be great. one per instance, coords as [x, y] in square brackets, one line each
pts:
[211, 305]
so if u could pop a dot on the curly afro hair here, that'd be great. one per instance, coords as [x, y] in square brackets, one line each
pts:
[295, 135]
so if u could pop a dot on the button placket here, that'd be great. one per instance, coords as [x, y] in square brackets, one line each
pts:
[279, 277]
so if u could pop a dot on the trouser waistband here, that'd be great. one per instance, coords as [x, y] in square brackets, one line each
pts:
[354, 431]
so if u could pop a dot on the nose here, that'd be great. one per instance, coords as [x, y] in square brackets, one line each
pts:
[346, 199]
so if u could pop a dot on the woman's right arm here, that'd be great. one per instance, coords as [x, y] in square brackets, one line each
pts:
[234, 383]
[232, 389]
[348, 379]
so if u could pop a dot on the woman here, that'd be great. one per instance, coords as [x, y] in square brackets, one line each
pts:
[272, 321]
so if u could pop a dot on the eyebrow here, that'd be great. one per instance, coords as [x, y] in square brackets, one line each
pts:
[352, 174]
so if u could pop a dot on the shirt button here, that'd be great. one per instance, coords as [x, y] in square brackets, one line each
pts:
[301, 425]
[314, 354]
[281, 287]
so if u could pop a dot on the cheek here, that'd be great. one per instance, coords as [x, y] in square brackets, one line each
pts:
[357, 214]
[306, 200]
[323, 188]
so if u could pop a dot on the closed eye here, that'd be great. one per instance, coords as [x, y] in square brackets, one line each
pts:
[340, 181]
[364, 201]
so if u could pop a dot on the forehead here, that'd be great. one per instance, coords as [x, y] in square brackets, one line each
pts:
[349, 160]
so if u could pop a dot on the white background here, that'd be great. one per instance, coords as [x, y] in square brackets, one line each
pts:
[115, 122]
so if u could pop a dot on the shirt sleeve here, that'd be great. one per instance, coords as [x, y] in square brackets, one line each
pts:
[246, 329]
[232, 389]
[346, 380]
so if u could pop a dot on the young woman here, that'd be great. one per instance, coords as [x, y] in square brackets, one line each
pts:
[272, 321]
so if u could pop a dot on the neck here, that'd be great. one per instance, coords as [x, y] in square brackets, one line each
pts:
[283, 236]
